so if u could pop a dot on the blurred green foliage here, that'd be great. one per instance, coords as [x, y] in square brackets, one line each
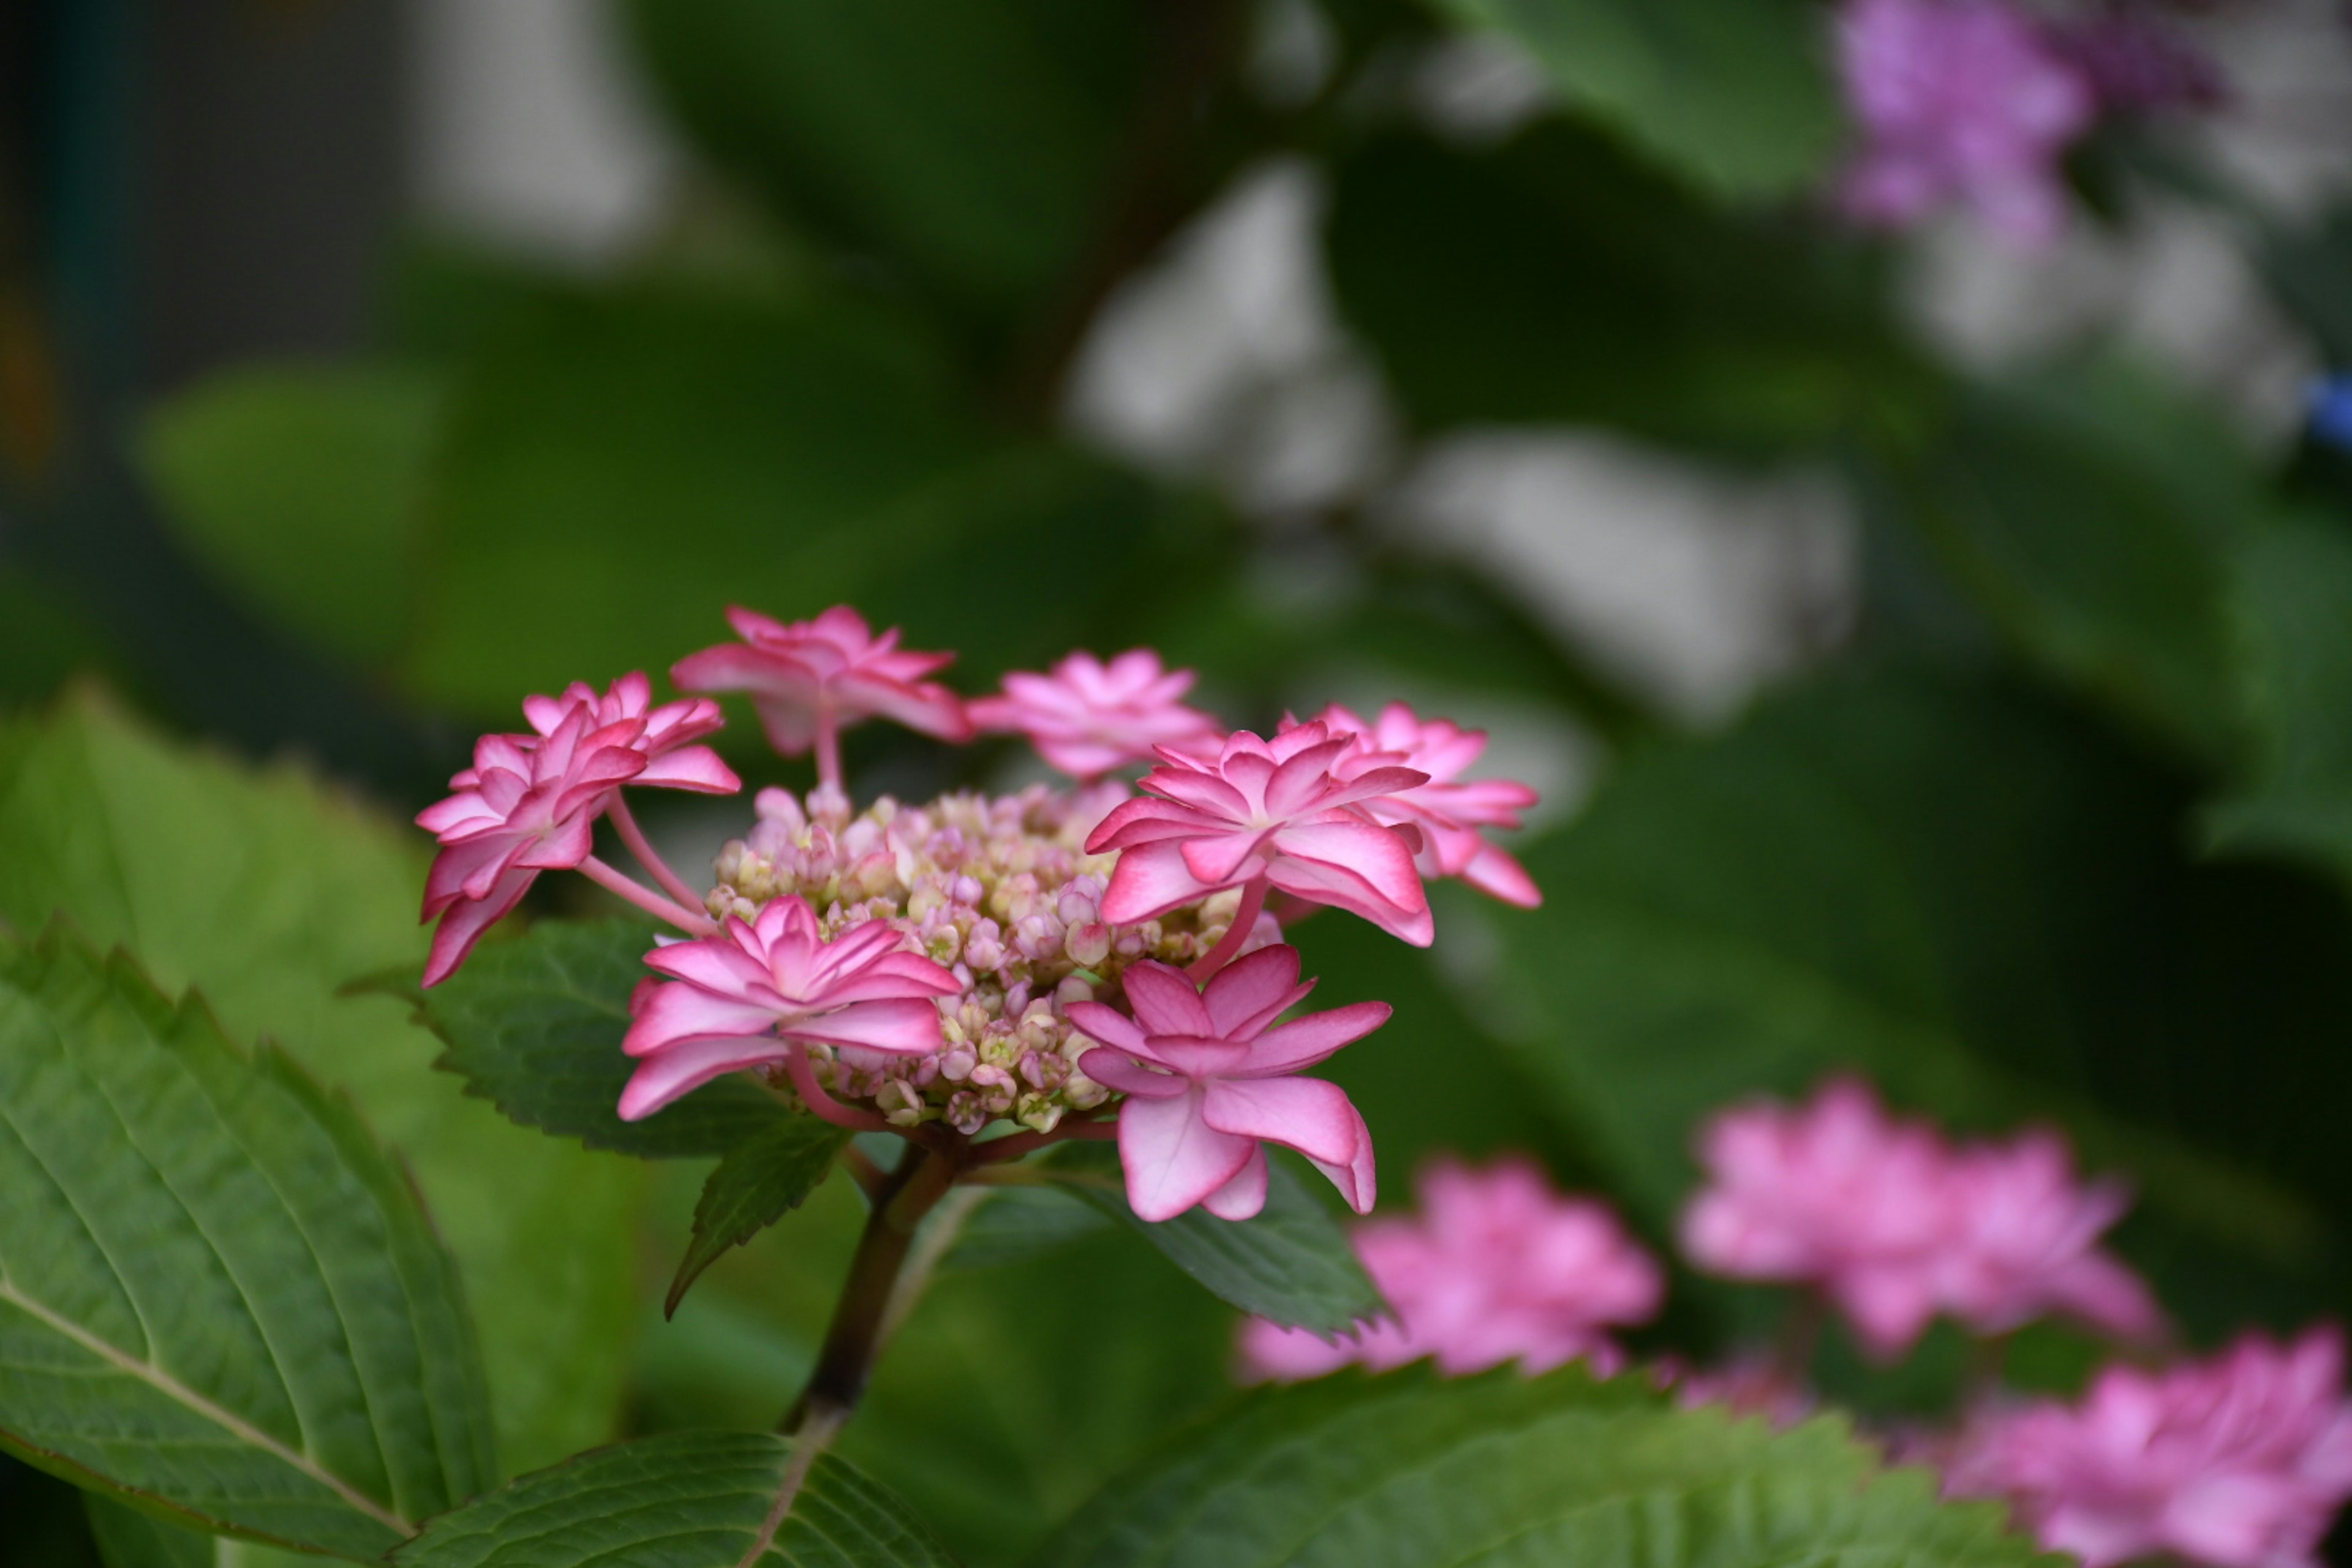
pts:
[2061, 832]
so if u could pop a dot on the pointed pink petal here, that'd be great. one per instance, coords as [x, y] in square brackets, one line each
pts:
[908, 1027]
[463, 923]
[1301, 782]
[1118, 1070]
[1247, 987]
[571, 841]
[1496, 873]
[1215, 860]
[1376, 854]
[1358, 1183]
[731, 667]
[680, 1069]
[1303, 1042]
[1244, 1196]
[1098, 1022]
[1302, 1113]
[690, 767]
[1173, 1158]
[667, 1014]
[1149, 880]
[1201, 792]
[1336, 888]
[924, 708]
[1146, 820]
[1164, 1001]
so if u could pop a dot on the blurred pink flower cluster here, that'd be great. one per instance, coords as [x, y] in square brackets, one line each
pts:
[1977, 102]
[934, 970]
[1893, 1225]
[1497, 1266]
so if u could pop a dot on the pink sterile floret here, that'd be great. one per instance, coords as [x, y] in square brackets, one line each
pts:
[1836, 1195]
[2239, 1461]
[1959, 98]
[1209, 1083]
[529, 802]
[831, 671]
[1497, 1266]
[760, 990]
[1273, 812]
[2026, 1243]
[1449, 811]
[1087, 717]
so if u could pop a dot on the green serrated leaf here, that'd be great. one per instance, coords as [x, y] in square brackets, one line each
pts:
[1292, 1264]
[534, 1025]
[2294, 604]
[272, 891]
[752, 1188]
[217, 1293]
[1412, 1471]
[1733, 95]
[692, 1500]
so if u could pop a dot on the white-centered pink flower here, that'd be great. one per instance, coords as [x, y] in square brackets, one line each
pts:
[1835, 1195]
[1497, 1266]
[2238, 1461]
[1087, 718]
[1272, 812]
[1209, 1080]
[529, 802]
[759, 991]
[2025, 1243]
[1451, 812]
[810, 680]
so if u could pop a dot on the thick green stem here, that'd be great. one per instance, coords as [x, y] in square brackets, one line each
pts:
[913, 1187]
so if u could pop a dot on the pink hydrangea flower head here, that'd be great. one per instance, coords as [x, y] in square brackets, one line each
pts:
[1270, 813]
[1836, 1195]
[761, 989]
[529, 802]
[1087, 717]
[2026, 1243]
[2238, 1461]
[809, 679]
[1450, 811]
[1960, 99]
[1497, 1266]
[1209, 1081]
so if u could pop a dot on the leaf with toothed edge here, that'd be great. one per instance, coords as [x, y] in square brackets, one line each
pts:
[534, 1025]
[752, 1188]
[688, 1500]
[1292, 1264]
[218, 1296]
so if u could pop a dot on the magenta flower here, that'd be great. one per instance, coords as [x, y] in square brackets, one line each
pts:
[1449, 811]
[756, 992]
[1209, 1084]
[2025, 1244]
[529, 802]
[1497, 1267]
[1963, 100]
[1087, 718]
[1268, 813]
[811, 679]
[2239, 1461]
[1835, 1195]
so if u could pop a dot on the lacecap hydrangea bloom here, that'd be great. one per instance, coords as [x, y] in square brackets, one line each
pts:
[1497, 1266]
[983, 974]
[1890, 1225]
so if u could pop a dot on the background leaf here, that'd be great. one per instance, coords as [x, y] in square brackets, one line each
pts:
[534, 1024]
[1411, 1470]
[694, 1499]
[753, 1187]
[273, 892]
[1292, 1263]
[217, 1293]
[1732, 96]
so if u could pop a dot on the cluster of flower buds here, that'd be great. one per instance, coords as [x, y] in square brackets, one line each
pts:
[1079, 962]
[1977, 101]
[1893, 1225]
[1497, 1267]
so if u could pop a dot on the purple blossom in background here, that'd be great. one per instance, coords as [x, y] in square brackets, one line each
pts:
[1960, 100]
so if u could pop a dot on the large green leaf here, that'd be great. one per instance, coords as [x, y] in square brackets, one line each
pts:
[965, 145]
[1409, 1470]
[1292, 1263]
[301, 487]
[217, 1293]
[1732, 95]
[1551, 279]
[273, 892]
[2294, 613]
[2093, 517]
[534, 1025]
[1954, 890]
[695, 1500]
[753, 1187]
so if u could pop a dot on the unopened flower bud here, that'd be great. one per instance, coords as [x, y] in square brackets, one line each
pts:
[1089, 944]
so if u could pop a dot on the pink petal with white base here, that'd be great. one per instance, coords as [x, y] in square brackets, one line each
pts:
[1173, 1159]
